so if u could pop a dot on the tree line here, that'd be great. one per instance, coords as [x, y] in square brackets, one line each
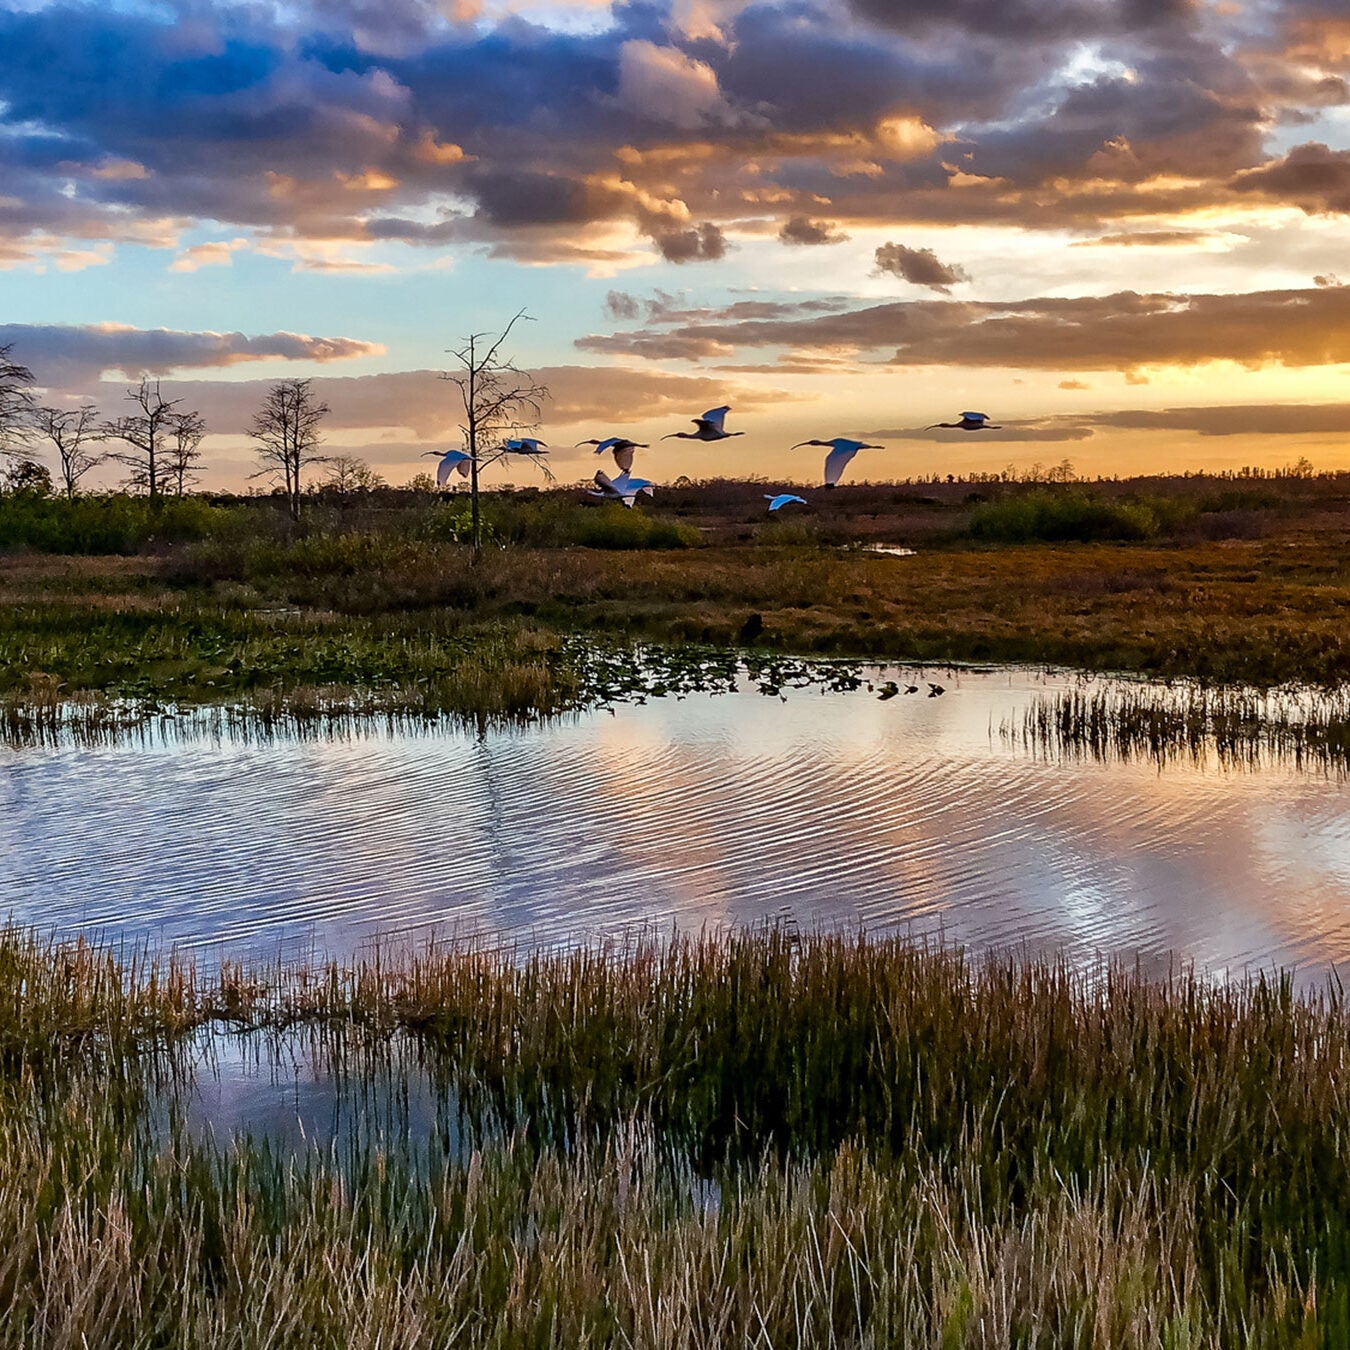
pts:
[158, 440]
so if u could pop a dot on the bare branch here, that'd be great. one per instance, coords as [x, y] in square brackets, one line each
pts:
[286, 428]
[71, 431]
[16, 402]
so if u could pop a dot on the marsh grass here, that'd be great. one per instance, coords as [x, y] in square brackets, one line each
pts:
[754, 1139]
[1306, 728]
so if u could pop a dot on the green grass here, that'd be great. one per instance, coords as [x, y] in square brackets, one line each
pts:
[757, 1139]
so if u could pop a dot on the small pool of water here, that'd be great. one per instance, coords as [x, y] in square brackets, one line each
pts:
[908, 814]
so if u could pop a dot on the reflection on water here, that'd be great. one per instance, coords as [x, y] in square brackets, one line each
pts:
[908, 814]
[309, 1090]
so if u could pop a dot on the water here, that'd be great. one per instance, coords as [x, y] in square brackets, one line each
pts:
[911, 815]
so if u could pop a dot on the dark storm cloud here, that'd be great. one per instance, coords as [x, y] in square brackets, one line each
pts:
[919, 266]
[73, 356]
[1113, 332]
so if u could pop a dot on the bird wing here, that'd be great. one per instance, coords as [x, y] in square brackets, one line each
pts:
[714, 417]
[454, 459]
[623, 456]
[976, 417]
[837, 461]
[608, 443]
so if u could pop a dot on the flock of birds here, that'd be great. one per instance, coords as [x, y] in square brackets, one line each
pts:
[626, 488]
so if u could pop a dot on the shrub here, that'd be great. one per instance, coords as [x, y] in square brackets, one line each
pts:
[618, 527]
[109, 523]
[1052, 517]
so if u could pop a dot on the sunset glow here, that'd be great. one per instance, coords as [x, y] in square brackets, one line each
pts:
[1119, 226]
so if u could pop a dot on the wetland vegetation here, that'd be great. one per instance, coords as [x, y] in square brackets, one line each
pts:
[755, 1138]
[372, 602]
[759, 1139]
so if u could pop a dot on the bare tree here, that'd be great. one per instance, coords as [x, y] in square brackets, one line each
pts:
[71, 431]
[350, 473]
[286, 428]
[182, 452]
[145, 433]
[16, 402]
[497, 399]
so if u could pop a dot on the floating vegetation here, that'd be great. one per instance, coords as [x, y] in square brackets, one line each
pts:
[750, 1139]
[1308, 728]
[488, 688]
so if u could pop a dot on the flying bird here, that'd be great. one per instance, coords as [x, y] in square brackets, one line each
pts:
[525, 445]
[454, 461]
[708, 427]
[970, 421]
[625, 488]
[841, 451]
[621, 447]
[777, 503]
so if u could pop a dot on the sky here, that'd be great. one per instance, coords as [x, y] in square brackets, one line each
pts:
[1117, 226]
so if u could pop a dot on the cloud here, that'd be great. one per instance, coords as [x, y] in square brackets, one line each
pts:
[703, 243]
[620, 305]
[1028, 19]
[663, 84]
[1251, 419]
[804, 230]
[1124, 331]
[919, 266]
[1312, 176]
[1148, 239]
[219, 253]
[681, 122]
[420, 401]
[74, 356]
[353, 121]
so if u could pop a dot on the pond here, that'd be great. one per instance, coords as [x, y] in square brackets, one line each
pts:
[931, 816]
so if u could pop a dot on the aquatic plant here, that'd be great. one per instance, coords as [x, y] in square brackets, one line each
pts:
[1236, 726]
[756, 1138]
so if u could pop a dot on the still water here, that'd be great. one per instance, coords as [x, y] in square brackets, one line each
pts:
[911, 814]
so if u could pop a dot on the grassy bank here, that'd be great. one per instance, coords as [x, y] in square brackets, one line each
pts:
[382, 602]
[758, 1140]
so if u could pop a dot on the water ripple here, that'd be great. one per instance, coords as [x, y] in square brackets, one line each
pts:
[907, 815]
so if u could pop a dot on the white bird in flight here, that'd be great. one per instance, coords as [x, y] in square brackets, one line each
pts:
[708, 427]
[970, 421]
[624, 488]
[841, 451]
[777, 503]
[621, 447]
[454, 461]
[525, 445]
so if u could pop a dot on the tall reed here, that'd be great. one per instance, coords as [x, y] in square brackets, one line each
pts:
[751, 1139]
